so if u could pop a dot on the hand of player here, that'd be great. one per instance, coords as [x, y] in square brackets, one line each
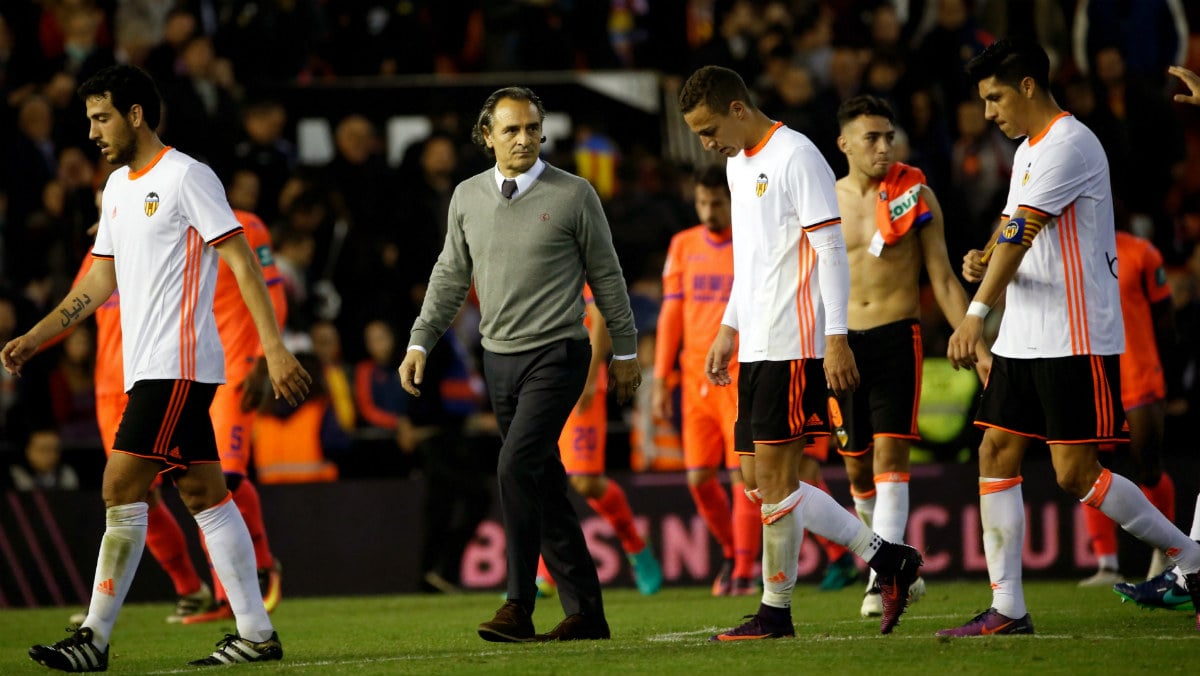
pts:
[412, 371]
[288, 378]
[1191, 80]
[624, 377]
[961, 351]
[841, 373]
[660, 400]
[974, 266]
[983, 362]
[716, 364]
[254, 387]
[16, 352]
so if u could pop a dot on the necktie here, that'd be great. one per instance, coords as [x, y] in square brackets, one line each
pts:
[508, 188]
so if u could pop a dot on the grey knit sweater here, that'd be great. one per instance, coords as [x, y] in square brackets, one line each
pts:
[528, 257]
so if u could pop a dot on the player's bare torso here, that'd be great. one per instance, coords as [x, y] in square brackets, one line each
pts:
[883, 289]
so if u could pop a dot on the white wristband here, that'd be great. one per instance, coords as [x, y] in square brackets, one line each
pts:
[977, 309]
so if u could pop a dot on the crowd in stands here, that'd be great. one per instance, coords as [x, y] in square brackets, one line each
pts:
[355, 238]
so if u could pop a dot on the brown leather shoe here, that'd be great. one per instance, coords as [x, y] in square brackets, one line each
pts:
[578, 627]
[512, 624]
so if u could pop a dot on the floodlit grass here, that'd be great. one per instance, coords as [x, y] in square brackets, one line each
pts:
[1080, 631]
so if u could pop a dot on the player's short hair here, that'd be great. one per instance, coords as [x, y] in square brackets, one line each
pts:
[715, 87]
[1011, 60]
[713, 176]
[489, 109]
[864, 104]
[127, 86]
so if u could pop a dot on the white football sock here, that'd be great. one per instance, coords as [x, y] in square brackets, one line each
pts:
[864, 506]
[232, 556]
[891, 507]
[1002, 512]
[782, 536]
[120, 551]
[1124, 502]
[1108, 562]
[824, 516]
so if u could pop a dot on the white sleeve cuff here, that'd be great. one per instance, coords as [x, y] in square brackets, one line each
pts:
[418, 348]
[624, 357]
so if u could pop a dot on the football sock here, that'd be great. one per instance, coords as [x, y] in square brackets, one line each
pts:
[747, 532]
[165, 540]
[245, 496]
[232, 556]
[864, 506]
[615, 509]
[891, 506]
[1121, 500]
[1162, 496]
[713, 505]
[825, 517]
[120, 551]
[833, 550]
[782, 535]
[1002, 513]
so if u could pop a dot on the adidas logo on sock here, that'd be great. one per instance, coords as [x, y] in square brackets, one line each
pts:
[778, 577]
[106, 587]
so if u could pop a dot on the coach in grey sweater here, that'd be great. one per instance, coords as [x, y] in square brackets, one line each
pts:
[528, 235]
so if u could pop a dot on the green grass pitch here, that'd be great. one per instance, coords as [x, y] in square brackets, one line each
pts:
[1080, 631]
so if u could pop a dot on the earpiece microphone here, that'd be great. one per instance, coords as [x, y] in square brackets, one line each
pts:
[543, 139]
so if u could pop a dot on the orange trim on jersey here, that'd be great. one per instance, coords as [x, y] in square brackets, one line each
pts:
[1073, 278]
[751, 152]
[891, 478]
[989, 487]
[1039, 212]
[823, 224]
[893, 435]
[179, 394]
[1084, 442]
[806, 313]
[862, 496]
[187, 307]
[135, 175]
[1027, 435]
[1033, 140]
[1099, 489]
[107, 257]
[222, 237]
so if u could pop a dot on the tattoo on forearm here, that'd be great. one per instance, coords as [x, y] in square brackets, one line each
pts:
[77, 306]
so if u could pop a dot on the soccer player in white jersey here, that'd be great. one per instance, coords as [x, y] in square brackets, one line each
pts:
[787, 312]
[164, 220]
[1055, 373]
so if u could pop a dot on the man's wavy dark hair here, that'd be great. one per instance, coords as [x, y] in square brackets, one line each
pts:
[489, 109]
[127, 86]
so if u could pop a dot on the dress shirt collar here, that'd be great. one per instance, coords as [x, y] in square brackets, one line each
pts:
[524, 181]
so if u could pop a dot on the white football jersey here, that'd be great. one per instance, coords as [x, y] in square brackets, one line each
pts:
[158, 226]
[779, 189]
[1065, 299]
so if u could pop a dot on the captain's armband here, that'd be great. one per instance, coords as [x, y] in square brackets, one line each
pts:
[1019, 231]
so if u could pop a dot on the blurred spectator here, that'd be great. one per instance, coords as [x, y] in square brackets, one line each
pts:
[29, 163]
[375, 37]
[42, 467]
[291, 443]
[944, 51]
[243, 189]
[327, 346]
[641, 216]
[86, 44]
[361, 181]
[1151, 34]
[1142, 182]
[425, 191]
[293, 257]
[979, 170]
[73, 388]
[265, 151]
[201, 111]
[732, 45]
[270, 41]
[164, 60]
[381, 402]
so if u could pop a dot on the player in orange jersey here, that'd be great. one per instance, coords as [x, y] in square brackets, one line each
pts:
[581, 447]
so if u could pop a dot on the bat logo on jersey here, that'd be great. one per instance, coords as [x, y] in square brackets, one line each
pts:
[151, 203]
[1025, 178]
[760, 185]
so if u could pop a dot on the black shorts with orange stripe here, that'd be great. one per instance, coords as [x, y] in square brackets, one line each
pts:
[779, 402]
[889, 360]
[1062, 400]
[168, 421]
